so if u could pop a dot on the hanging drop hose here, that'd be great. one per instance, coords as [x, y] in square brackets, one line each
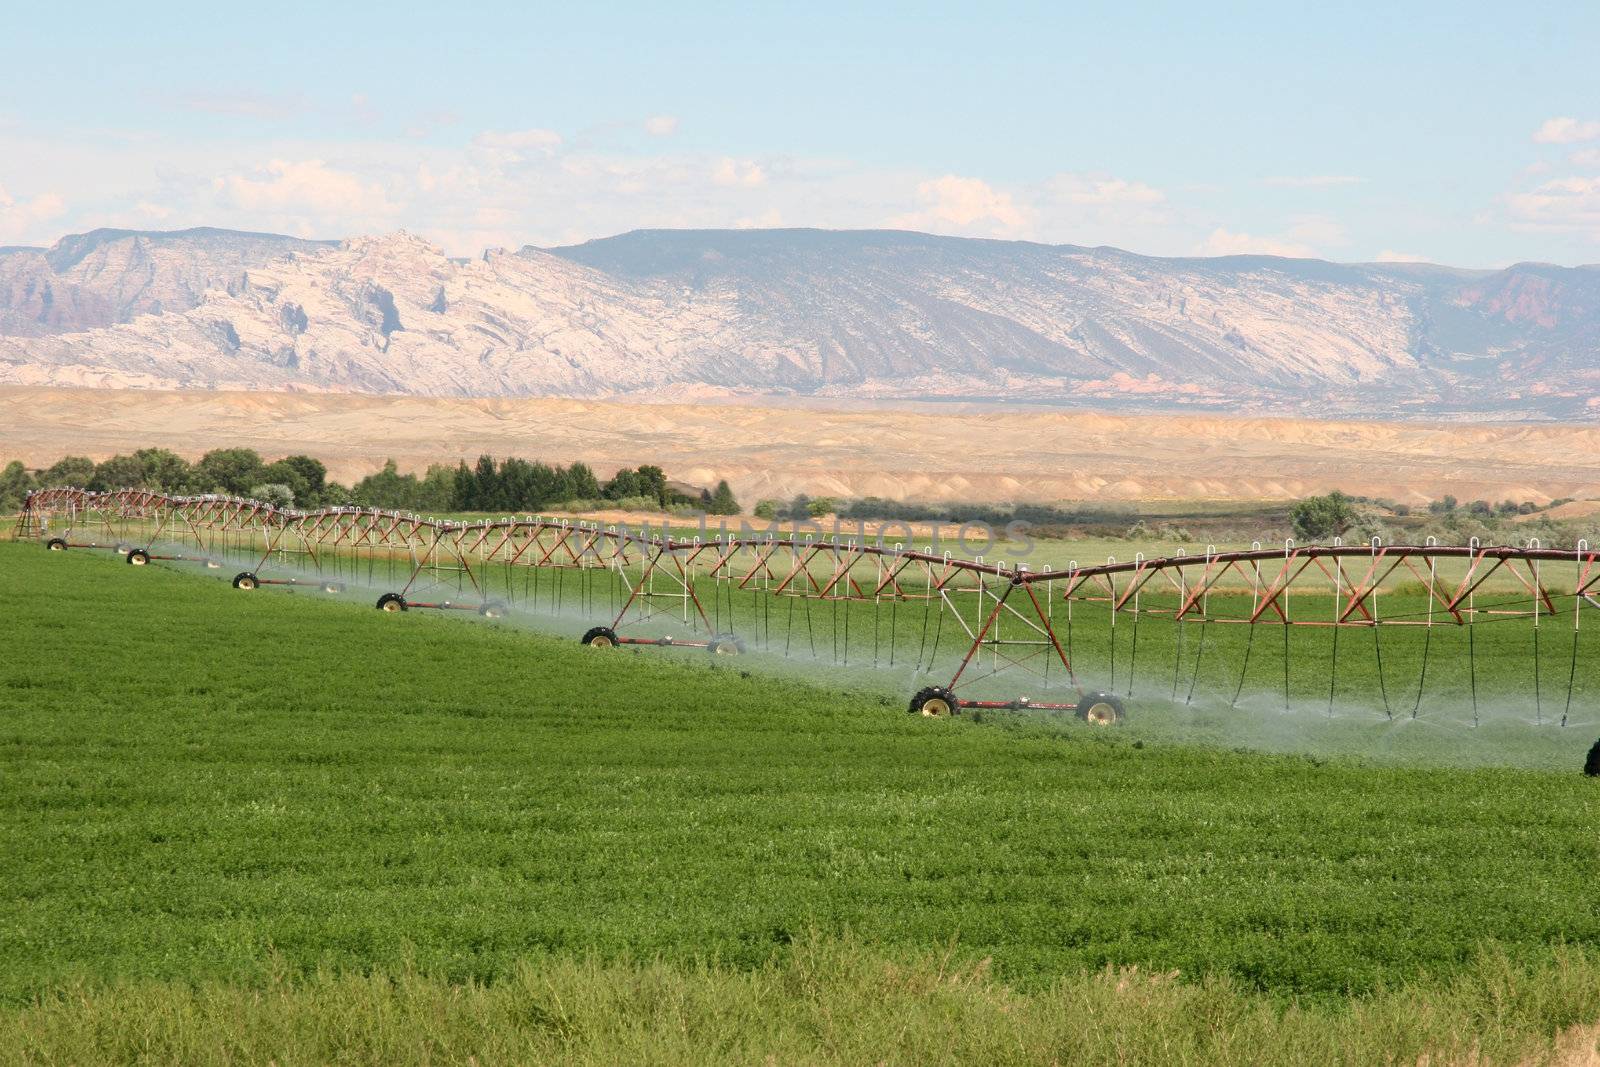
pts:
[1572, 671]
[1177, 654]
[1538, 707]
[1245, 667]
[1472, 665]
[923, 647]
[1133, 654]
[1113, 684]
[1427, 639]
[1333, 666]
[1199, 657]
[894, 625]
[1285, 664]
[1383, 687]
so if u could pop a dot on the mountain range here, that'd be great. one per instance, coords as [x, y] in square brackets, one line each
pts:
[798, 314]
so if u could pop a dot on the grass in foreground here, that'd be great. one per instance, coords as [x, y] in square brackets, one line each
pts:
[211, 796]
[824, 1002]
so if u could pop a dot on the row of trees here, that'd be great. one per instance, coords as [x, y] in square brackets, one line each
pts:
[509, 485]
[233, 471]
[516, 485]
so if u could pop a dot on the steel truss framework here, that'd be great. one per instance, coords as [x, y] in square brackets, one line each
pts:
[1005, 618]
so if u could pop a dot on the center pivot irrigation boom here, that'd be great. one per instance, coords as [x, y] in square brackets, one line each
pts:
[956, 624]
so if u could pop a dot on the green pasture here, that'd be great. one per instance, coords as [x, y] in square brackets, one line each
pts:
[208, 793]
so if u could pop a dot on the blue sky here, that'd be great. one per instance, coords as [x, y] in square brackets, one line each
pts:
[1462, 133]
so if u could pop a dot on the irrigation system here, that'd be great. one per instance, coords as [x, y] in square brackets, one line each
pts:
[970, 633]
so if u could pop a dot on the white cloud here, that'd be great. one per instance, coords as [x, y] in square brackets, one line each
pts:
[1567, 204]
[516, 146]
[965, 204]
[729, 171]
[661, 125]
[1310, 181]
[1391, 256]
[1318, 230]
[1100, 189]
[306, 186]
[245, 104]
[1222, 242]
[23, 221]
[1566, 131]
[430, 122]
[765, 221]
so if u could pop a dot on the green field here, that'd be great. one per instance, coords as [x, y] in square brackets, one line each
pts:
[213, 797]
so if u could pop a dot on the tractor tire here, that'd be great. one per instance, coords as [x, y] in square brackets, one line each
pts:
[1101, 709]
[56, 544]
[935, 702]
[1591, 766]
[493, 609]
[138, 557]
[245, 580]
[601, 637]
[392, 602]
[725, 645]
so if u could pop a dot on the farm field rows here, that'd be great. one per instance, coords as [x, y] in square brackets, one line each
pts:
[237, 790]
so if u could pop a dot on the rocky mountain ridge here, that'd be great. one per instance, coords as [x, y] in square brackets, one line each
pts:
[868, 315]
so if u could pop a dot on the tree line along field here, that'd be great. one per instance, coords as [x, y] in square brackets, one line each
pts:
[212, 797]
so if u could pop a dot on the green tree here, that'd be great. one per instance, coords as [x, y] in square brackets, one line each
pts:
[722, 501]
[767, 509]
[485, 486]
[72, 470]
[581, 483]
[438, 488]
[466, 488]
[819, 507]
[285, 473]
[1320, 517]
[388, 488]
[275, 493]
[624, 483]
[15, 483]
[118, 472]
[165, 470]
[312, 471]
[653, 482]
[228, 470]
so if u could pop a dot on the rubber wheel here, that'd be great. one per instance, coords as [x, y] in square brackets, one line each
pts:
[1591, 766]
[245, 580]
[138, 557]
[725, 645]
[601, 637]
[1101, 709]
[935, 702]
[493, 610]
[56, 544]
[392, 602]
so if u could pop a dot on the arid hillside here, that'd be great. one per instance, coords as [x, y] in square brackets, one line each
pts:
[914, 452]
